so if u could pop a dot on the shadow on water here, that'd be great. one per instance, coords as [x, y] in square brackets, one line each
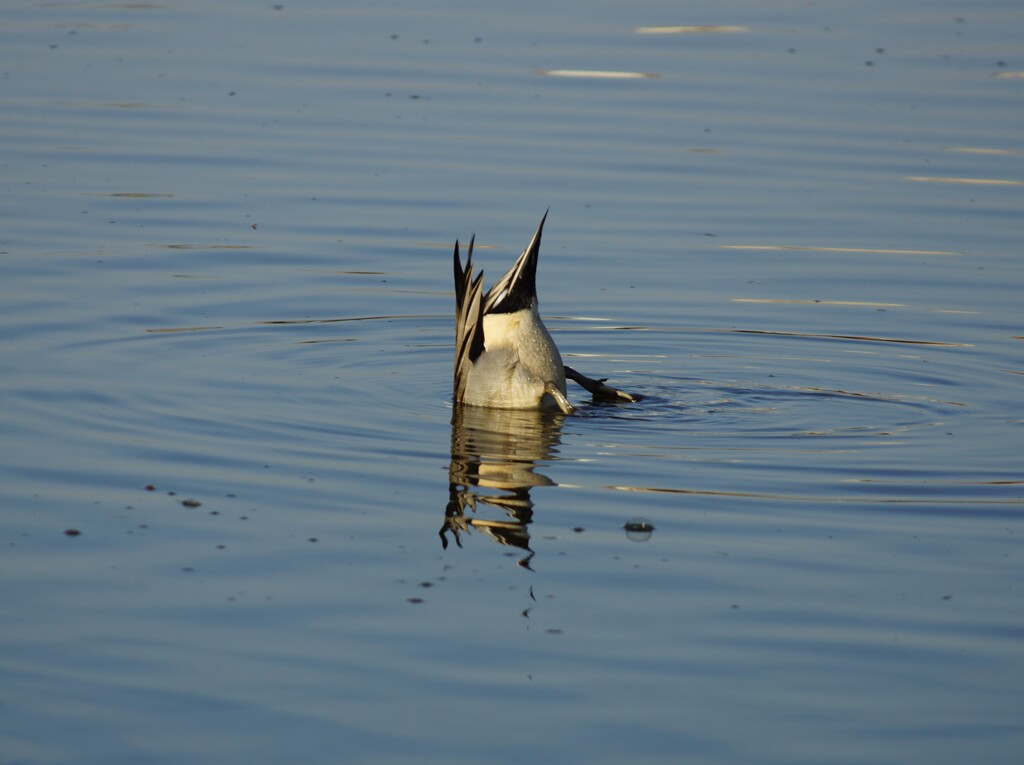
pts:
[495, 456]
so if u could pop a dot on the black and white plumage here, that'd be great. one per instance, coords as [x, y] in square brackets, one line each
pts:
[504, 356]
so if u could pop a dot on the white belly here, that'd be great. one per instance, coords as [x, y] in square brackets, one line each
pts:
[519, 359]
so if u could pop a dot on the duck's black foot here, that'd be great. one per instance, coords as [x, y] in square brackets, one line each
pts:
[599, 390]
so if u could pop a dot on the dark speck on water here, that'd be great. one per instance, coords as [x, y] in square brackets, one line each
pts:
[638, 524]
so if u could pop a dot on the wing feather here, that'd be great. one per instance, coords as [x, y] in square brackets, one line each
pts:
[469, 325]
[518, 285]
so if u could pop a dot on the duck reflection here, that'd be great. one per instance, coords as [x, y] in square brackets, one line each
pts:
[494, 460]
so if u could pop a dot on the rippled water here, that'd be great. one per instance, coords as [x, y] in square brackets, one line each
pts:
[241, 521]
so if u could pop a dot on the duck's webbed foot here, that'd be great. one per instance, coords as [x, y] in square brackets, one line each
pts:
[599, 390]
[559, 397]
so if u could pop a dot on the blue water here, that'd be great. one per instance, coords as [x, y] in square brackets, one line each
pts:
[225, 367]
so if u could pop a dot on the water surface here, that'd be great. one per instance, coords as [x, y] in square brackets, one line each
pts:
[241, 520]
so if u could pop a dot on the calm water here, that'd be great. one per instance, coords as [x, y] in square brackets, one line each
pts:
[225, 361]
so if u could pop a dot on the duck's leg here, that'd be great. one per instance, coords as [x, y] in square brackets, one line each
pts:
[559, 397]
[598, 388]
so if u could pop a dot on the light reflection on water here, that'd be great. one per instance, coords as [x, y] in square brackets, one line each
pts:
[225, 268]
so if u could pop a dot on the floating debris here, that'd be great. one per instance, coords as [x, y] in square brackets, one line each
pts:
[794, 301]
[598, 74]
[139, 195]
[979, 150]
[797, 248]
[638, 529]
[168, 330]
[692, 29]
[968, 181]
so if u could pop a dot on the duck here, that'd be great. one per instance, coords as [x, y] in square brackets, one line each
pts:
[505, 358]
